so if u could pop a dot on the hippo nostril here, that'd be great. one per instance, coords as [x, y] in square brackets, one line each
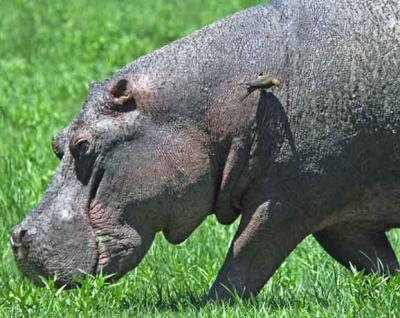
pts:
[22, 233]
[17, 237]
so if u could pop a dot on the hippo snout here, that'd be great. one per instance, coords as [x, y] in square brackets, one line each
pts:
[56, 240]
[20, 241]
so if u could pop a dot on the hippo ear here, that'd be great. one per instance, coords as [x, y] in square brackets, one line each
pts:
[122, 97]
[120, 88]
[59, 141]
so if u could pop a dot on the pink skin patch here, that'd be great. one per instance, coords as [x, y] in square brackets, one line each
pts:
[143, 93]
[103, 260]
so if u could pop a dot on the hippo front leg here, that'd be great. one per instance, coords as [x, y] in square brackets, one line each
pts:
[264, 239]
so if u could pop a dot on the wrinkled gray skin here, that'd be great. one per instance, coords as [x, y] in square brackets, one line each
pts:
[168, 140]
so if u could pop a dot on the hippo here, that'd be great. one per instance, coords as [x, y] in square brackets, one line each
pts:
[177, 135]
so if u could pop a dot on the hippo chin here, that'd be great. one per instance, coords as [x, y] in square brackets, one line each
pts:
[178, 135]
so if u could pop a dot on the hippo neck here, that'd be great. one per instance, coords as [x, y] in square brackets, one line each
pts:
[233, 122]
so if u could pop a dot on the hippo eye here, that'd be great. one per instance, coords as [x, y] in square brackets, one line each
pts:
[122, 97]
[80, 145]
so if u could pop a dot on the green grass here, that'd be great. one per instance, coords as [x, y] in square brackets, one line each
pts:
[49, 52]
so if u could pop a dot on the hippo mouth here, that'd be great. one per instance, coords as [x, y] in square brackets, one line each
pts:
[106, 232]
[94, 185]
[120, 242]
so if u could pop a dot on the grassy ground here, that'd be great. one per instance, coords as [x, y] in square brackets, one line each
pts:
[49, 51]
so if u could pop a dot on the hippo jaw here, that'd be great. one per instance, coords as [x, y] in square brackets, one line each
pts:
[139, 191]
[120, 246]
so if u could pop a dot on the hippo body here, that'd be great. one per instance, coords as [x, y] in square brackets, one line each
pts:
[169, 139]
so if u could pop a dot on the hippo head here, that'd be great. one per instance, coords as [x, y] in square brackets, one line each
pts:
[128, 167]
[152, 149]
[126, 170]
